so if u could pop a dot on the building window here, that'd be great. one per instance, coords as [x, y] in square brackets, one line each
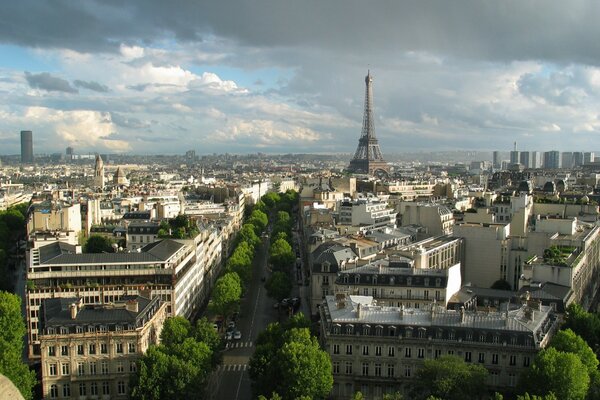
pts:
[336, 349]
[336, 329]
[421, 353]
[365, 350]
[526, 361]
[377, 369]
[438, 296]
[336, 367]
[481, 358]
[391, 351]
[119, 348]
[66, 390]
[494, 358]
[408, 332]
[92, 349]
[426, 294]
[450, 352]
[121, 387]
[437, 353]
[390, 370]
[451, 335]
[93, 368]
[407, 371]
[365, 369]
[349, 329]
[66, 370]
[105, 388]
[94, 389]
[52, 369]
[467, 356]
[377, 350]
[120, 366]
[104, 368]
[378, 330]
[348, 349]
[407, 352]
[513, 340]
[512, 381]
[512, 360]
[422, 333]
[80, 369]
[348, 368]
[132, 366]
[482, 337]
[469, 336]
[80, 349]
[53, 391]
[64, 350]
[103, 348]
[82, 389]
[51, 352]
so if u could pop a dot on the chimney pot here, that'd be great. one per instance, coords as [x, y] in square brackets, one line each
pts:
[132, 305]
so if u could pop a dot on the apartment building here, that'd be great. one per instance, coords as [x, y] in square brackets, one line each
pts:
[179, 272]
[366, 214]
[91, 351]
[378, 349]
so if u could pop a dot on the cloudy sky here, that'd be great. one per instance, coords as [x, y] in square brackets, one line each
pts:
[155, 76]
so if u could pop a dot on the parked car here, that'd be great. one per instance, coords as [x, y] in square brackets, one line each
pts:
[228, 335]
[231, 325]
[237, 335]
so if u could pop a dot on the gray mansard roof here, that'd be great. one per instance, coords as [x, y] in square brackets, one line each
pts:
[332, 253]
[392, 275]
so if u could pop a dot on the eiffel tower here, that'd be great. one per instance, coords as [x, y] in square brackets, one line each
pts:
[368, 158]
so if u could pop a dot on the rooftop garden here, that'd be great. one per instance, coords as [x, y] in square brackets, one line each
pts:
[558, 255]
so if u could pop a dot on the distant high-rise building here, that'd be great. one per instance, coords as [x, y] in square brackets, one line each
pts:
[535, 159]
[577, 158]
[368, 158]
[552, 159]
[27, 147]
[69, 153]
[567, 159]
[496, 160]
[525, 159]
[514, 157]
[588, 157]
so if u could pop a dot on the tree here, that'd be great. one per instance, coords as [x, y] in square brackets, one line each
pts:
[205, 333]
[501, 284]
[568, 341]
[556, 372]
[281, 255]
[279, 285]
[98, 244]
[271, 200]
[226, 294]
[449, 378]
[247, 234]
[12, 331]
[527, 396]
[585, 324]
[175, 331]
[240, 261]
[259, 219]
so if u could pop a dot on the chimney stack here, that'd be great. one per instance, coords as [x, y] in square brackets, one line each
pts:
[132, 305]
[358, 311]
[462, 314]
[73, 309]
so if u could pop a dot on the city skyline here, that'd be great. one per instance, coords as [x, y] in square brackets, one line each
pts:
[196, 76]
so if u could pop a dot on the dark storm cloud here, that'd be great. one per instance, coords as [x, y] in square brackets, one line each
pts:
[499, 30]
[50, 83]
[91, 85]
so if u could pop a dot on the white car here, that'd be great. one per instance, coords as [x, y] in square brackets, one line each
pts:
[231, 324]
[237, 335]
[228, 335]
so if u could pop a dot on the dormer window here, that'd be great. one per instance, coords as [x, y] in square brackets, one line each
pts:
[438, 282]
[409, 281]
[426, 281]
[357, 278]
[392, 280]
[325, 266]
[337, 329]
[366, 329]
[375, 280]
[63, 330]
[345, 279]
[349, 329]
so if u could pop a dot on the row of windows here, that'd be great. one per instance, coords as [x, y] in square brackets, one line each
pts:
[392, 280]
[92, 388]
[423, 333]
[420, 353]
[90, 368]
[92, 349]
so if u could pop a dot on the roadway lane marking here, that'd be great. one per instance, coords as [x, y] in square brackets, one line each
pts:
[255, 308]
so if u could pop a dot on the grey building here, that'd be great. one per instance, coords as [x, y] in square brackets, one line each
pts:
[552, 159]
[27, 147]
[376, 349]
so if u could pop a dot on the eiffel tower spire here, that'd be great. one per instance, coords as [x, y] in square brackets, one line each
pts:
[368, 158]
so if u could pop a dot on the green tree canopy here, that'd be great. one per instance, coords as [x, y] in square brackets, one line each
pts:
[585, 324]
[271, 200]
[98, 244]
[527, 396]
[205, 333]
[12, 331]
[259, 219]
[290, 363]
[279, 285]
[281, 255]
[449, 378]
[175, 331]
[568, 341]
[247, 234]
[556, 372]
[240, 261]
[226, 294]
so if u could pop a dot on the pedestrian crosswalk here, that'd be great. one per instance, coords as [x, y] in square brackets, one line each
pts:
[232, 367]
[237, 345]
